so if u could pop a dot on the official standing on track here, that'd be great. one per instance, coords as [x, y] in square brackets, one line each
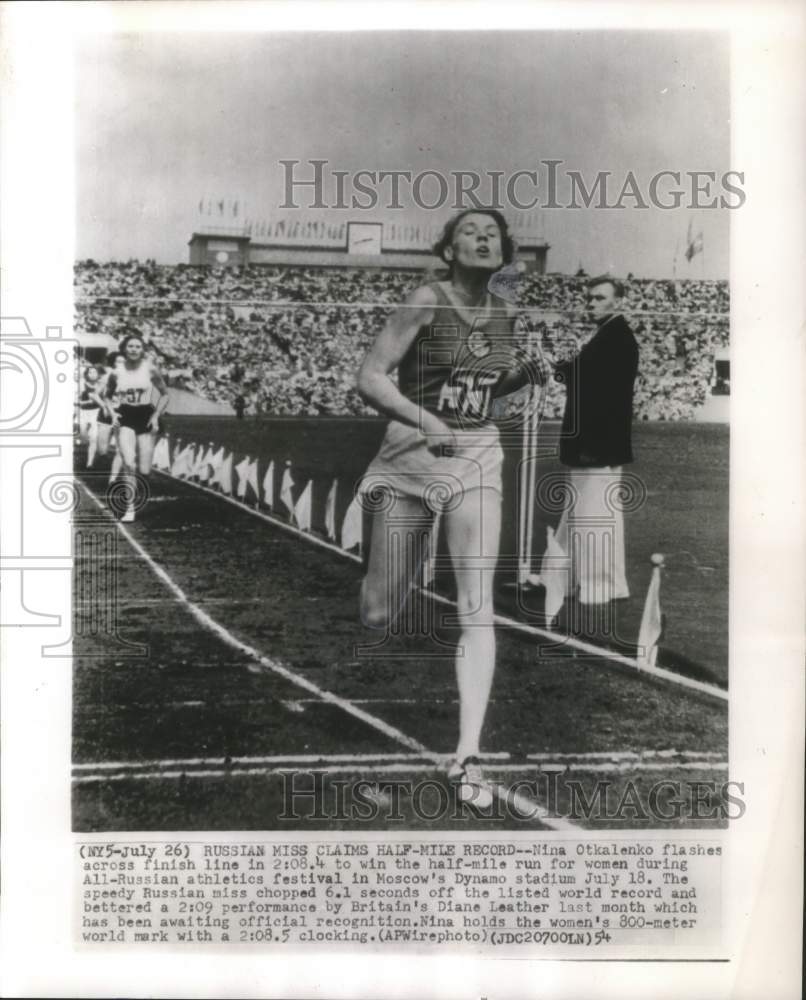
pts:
[455, 347]
[596, 442]
[136, 419]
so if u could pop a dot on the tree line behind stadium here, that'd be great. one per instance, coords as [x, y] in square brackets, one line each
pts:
[290, 339]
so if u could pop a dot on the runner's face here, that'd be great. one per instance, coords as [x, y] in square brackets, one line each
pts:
[134, 350]
[602, 301]
[477, 242]
[91, 375]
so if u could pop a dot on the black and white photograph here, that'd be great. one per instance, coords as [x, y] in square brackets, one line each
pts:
[403, 499]
[407, 380]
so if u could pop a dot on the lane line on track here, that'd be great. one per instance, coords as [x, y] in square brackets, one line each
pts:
[533, 809]
[95, 777]
[667, 756]
[533, 631]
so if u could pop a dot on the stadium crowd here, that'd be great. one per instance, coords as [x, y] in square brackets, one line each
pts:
[290, 339]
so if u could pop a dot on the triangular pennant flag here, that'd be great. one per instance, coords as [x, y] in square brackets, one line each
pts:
[241, 471]
[554, 572]
[182, 463]
[352, 528]
[287, 489]
[302, 508]
[268, 486]
[216, 460]
[195, 459]
[251, 478]
[223, 474]
[162, 454]
[330, 511]
[651, 620]
[204, 469]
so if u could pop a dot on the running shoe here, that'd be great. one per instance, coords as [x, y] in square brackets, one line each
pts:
[128, 516]
[472, 788]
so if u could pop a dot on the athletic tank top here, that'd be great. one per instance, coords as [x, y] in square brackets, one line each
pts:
[456, 361]
[86, 401]
[133, 385]
[107, 380]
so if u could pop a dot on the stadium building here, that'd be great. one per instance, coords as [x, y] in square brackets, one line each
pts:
[315, 243]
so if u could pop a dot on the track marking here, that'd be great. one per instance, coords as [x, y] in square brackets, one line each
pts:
[640, 669]
[524, 804]
[155, 602]
[268, 664]
[536, 811]
[386, 758]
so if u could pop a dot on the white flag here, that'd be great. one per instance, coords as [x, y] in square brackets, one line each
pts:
[251, 478]
[651, 620]
[268, 486]
[223, 474]
[287, 489]
[162, 454]
[196, 456]
[330, 511]
[554, 573]
[183, 462]
[217, 460]
[204, 469]
[302, 508]
[352, 528]
[241, 470]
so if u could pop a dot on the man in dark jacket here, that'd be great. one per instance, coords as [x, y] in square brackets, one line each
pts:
[596, 442]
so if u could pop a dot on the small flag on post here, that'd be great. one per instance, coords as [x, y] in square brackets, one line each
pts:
[352, 528]
[554, 572]
[652, 619]
[196, 459]
[183, 462]
[162, 454]
[268, 487]
[204, 468]
[287, 489]
[302, 508]
[222, 475]
[216, 461]
[251, 479]
[330, 511]
[240, 472]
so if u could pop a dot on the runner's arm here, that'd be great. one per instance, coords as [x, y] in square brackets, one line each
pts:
[374, 382]
[162, 403]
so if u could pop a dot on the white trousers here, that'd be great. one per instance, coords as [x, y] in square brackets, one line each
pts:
[591, 531]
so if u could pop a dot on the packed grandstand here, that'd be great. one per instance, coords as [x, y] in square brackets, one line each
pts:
[289, 340]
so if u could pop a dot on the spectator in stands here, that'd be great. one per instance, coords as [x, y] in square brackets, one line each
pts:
[194, 318]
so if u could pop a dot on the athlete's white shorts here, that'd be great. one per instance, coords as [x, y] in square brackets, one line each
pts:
[405, 467]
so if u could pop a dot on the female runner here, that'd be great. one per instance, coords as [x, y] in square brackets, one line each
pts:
[455, 347]
[89, 409]
[136, 419]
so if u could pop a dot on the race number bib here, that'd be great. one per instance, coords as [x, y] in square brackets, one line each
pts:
[468, 393]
